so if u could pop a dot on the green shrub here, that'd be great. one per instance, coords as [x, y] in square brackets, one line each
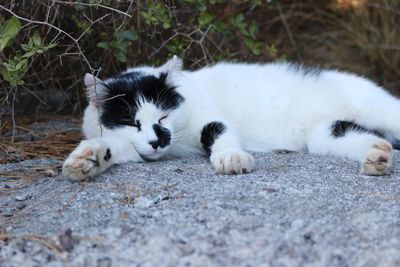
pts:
[48, 49]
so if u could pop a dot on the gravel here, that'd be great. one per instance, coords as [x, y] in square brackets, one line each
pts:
[294, 210]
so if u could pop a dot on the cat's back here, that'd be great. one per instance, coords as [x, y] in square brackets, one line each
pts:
[256, 79]
[277, 85]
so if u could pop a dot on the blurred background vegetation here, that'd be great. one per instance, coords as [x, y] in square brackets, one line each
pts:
[48, 45]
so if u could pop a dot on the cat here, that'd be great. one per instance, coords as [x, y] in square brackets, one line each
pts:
[227, 110]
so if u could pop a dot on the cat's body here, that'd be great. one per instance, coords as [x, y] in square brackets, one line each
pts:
[227, 110]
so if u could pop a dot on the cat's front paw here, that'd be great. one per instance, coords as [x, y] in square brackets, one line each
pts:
[378, 160]
[87, 160]
[232, 161]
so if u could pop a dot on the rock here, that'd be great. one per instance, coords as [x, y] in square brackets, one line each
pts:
[50, 173]
[67, 240]
[21, 197]
[21, 206]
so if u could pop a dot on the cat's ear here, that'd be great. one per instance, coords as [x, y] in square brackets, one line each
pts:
[170, 68]
[95, 89]
[173, 65]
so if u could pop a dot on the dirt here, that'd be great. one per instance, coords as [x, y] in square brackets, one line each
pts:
[293, 210]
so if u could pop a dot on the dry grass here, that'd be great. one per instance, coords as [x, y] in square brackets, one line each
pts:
[47, 143]
[370, 41]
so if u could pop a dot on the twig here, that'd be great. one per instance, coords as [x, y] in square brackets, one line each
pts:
[14, 93]
[95, 5]
[293, 43]
[163, 44]
[76, 41]
[90, 26]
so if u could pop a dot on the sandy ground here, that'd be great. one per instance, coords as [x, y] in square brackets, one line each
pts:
[294, 210]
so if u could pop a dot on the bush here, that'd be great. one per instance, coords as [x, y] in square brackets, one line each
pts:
[48, 46]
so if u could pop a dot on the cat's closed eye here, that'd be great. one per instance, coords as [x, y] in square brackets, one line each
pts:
[137, 124]
[162, 118]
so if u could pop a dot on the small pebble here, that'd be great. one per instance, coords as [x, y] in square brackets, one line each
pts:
[21, 206]
[178, 170]
[330, 167]
[270, 190]
[160, 198]
[50, 173]
[21, 198]
[67, 240]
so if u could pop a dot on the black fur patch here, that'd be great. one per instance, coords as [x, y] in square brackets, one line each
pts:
[123, 92]
[210, 132]
[340, 128]
[163, 137]
[95, 162]
[396, 144]
[304, 70]
[107, 157]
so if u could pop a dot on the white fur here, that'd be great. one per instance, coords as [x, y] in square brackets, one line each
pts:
[264, 107]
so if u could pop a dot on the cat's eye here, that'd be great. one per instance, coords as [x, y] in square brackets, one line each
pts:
[160, 120]
[137, 124]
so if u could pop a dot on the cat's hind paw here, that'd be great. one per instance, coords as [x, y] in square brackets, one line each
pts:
[87, 160]
[378, 160]
[232, 161]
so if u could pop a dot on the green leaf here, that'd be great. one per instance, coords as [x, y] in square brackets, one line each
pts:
[36, 39]
[205, 19]
[22, 64]
[3, 42]
[253, 30]
[8, 66]
[5, 73]
[166, 25]
[12, 27]
[121, 56]
[29, 54]
[130, 35]
[25, 47]
[49, 46]
[104, 45]
[11, 30]
[255, 51]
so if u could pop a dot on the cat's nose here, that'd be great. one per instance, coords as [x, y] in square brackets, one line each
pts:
[155, 144]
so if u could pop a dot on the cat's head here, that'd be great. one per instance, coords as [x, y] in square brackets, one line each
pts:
[140, 106]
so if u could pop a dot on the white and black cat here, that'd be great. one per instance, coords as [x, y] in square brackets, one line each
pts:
[228, 110]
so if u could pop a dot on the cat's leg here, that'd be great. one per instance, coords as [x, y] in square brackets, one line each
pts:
[372, 107]
[372, 152]
[383, 116]
[96, 155]
[223, 145]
